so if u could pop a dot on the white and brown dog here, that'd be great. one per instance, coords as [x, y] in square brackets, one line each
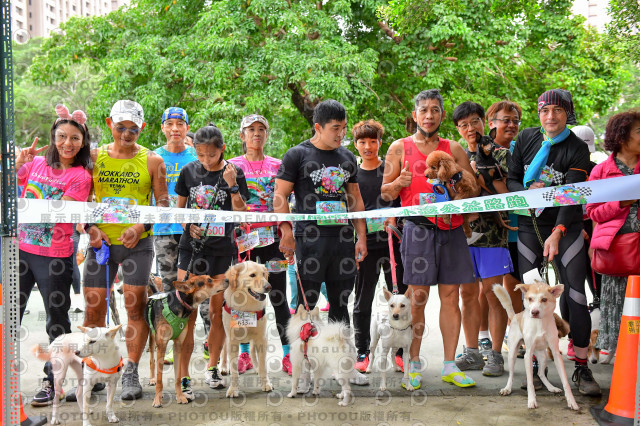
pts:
[537, 327]
[393, 330]
[94, 357]
[244, 320]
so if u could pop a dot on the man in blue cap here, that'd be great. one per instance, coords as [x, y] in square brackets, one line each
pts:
[175, 125]
[545, 156]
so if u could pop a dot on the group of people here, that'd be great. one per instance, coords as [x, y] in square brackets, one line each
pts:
[323, 176]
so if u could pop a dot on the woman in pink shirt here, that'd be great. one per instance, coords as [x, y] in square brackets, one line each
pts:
[46, 249]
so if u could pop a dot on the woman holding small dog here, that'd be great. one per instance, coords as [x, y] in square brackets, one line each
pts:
[260, 171]
[615, 218]
[46, 249]
[214, 184]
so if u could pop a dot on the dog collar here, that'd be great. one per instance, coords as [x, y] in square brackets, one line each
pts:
[401, 329]
[455, 179]
[88, 361]
[259, 314]
[185, 305]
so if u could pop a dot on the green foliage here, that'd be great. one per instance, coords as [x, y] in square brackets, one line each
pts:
[34, 104]
[625, 26]
[223, 59]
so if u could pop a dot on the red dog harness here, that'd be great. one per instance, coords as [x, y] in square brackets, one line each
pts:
[307, 331]
[259, 314]
[92, 365]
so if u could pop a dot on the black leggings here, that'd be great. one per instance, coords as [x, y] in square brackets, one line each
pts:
[278, 281]
[366, 282]
[337, 292]
[571, 263]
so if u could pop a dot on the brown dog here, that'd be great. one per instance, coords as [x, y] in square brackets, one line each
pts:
[181, 303]
[460, 183]
[244, 320]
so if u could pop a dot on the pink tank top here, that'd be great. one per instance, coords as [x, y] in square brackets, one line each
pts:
[410, 196]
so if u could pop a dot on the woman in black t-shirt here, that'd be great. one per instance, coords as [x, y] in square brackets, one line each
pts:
[209, 183]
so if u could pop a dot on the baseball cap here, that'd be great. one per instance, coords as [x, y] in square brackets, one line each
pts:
[126, 110]
[559, 97]
[175, 112]
[586, 134]
[250, 119]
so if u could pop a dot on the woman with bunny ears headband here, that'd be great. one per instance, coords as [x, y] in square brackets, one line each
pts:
[46, 249]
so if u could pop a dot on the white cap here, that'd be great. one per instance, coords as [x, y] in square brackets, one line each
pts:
[126, 110]
[586, 134]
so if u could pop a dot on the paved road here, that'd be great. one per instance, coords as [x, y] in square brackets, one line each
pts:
[436, 403]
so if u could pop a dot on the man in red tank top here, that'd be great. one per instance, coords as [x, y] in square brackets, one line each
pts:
[434, 250]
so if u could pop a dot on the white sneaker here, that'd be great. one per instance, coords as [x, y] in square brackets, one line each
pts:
[359, 379]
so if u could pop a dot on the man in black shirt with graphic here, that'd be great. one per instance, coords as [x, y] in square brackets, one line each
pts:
[322, 174]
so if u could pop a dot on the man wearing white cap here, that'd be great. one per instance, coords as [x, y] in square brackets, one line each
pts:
[124, 174]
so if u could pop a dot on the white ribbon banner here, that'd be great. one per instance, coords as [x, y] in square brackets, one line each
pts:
[50, 211]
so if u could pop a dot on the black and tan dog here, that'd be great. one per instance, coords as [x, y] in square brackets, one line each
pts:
[168, 315]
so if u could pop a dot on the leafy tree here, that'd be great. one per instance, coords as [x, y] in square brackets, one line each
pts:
[35, 104]
[222, 59]
[625, 26]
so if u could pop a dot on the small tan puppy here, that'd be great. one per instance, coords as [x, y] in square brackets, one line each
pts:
[244, 320]
[537, 327]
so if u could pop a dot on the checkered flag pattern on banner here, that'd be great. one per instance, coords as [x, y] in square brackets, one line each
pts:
[115, 214]
[551, 194]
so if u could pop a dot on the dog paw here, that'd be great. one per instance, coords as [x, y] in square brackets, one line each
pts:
[573, 404]
[267, 386]
[291, 395]
[55, 421]
[224, 371]
[368, 370]
[232, 392]
[407, 385]
[181, 399]
[554, 389]
[398, 369]
[505, 391]
[339, 396]
[157, 401]
[343, 403]
[113, 419]
[152, 382]
[532, 403]
[383, 388]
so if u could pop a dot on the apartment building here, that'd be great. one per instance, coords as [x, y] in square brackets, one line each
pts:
[595, 11]
[38, 18]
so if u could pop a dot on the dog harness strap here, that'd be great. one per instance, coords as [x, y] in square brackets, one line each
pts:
[88, 361]
[307, 331]
[455, 179]
[177, 323]
[186, 306]
[259, 314]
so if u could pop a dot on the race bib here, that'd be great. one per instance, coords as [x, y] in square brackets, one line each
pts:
[330, 208]
[266, 235]
[375, 224]
[243, 319]
[277, 265]
[213, 229]
[247, 241]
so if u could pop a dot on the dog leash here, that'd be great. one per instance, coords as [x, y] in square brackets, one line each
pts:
[392, 257]
[102, 257]
[308, 329]
[545, 262]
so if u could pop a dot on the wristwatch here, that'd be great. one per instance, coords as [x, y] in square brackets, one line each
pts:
[234, 189]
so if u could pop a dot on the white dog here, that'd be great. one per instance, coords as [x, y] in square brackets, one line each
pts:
[329, 349]
[537, 327]
[96, 350]
[393, 330]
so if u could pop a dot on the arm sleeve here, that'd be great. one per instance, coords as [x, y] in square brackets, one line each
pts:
[516, 167]
[242, 184]
[289, 167]
[576, 173]
[181, 184]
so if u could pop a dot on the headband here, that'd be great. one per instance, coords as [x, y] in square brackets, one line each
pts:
[63, 114]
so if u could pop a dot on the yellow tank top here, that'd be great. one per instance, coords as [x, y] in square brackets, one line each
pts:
[121, 182]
